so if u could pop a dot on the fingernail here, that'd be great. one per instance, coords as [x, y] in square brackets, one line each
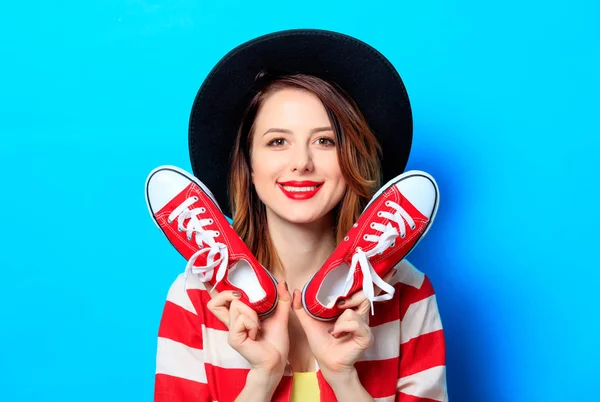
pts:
[237, 294]
[341, 302]
[286, 286]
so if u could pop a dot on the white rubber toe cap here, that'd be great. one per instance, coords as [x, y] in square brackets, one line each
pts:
[163, 185]
[422, 192]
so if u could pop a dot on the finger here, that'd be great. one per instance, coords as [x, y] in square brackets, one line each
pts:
[238, 307]
[314, 329]
[348, 315]
[297, 300]
[343, 328]
[282, 311]
[241, 329]
[303, 317]
[364, 308]
[219, 305]
[284, 292]
[360, 332]
[360, 312]
[356, 328]
[352, 301]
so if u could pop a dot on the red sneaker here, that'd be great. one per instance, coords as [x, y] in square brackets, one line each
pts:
[187, 213]
[390, 226]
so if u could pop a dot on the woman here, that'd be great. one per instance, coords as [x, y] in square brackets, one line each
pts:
[305, 163]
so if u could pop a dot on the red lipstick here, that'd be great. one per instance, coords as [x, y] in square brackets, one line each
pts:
[300, 190]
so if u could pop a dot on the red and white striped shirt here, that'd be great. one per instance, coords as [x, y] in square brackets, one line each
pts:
[406, 363]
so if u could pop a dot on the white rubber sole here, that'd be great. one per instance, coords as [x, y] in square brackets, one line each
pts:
[377, 194]
[212, 197]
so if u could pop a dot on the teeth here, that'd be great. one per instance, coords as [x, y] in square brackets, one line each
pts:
[299, 189]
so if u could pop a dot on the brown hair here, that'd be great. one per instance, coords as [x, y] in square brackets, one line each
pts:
[358, 154]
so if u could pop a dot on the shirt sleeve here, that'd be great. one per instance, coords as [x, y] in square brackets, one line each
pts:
[422, 373]
[180, 370]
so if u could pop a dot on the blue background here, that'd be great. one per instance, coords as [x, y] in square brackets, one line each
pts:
[94, 94]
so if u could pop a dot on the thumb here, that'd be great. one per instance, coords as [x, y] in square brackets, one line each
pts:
[303, 317]
[283, 305]
[315, 330]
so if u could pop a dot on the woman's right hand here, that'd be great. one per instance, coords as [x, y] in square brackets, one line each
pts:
[265, 345]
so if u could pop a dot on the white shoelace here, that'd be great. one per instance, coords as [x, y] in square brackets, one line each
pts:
[385, 240]
[195, 227]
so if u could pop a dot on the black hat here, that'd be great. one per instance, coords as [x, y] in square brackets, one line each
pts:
[359, 69]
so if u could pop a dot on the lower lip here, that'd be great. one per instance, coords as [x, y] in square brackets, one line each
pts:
[300, 195]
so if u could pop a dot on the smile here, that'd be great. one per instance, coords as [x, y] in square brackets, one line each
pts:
[300, 190]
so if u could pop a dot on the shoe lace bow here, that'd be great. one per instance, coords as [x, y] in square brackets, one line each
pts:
[386, 239]
[205, 239]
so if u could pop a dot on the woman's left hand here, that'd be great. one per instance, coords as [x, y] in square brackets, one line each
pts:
[337, 345]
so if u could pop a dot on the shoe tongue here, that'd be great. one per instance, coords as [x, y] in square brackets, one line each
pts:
[186, 222]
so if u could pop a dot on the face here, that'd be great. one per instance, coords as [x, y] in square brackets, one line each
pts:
[295, 168]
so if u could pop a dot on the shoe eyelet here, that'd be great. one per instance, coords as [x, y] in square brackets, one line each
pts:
[189, 237]
[346, 238]
[393, 244]
[202, 210]
[169, 221]
[372, 225]
[402, 236]
[355, 225]
[358, 249]
[210, 221]
[195, 198]
[379, 214]
[387, 204]
[179, 229]
[413, 227]
[217, 233]
[365, 237]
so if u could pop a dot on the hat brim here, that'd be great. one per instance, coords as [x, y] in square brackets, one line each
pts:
[360, 70]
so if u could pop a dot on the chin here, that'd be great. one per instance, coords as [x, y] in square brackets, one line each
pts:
[300, 217]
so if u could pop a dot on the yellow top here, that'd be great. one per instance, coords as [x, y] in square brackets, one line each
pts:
[305, 388]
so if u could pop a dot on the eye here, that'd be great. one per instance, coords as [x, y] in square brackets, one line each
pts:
[325, 141]
[276, 142]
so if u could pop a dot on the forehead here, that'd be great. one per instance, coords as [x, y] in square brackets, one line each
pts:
[291, 107]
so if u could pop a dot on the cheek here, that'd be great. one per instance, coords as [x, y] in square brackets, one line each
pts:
[332, 167]
[336, 173]
[266, 167]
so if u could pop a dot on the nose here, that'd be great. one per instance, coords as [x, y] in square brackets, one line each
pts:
[301, 160]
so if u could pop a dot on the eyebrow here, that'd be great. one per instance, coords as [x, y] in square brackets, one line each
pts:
[285, 131]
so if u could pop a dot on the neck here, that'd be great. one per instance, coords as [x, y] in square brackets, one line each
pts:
[302, 248]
